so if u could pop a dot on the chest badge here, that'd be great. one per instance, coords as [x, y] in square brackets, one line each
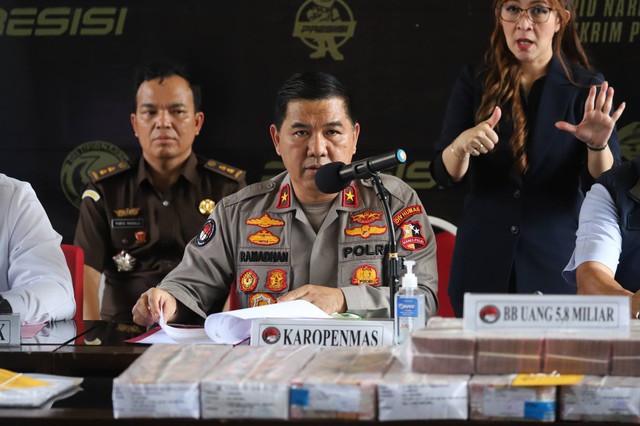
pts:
[276, 280]
[128, 212]
[264, 238]
[124, 261]
[141, 237]
[265, 221]
[261, 299]
[365, 231]
[366, 217]
[365, 275]
[206, 206]
[248, 281]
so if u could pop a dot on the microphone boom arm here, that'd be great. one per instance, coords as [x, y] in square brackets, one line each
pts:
[394, 262]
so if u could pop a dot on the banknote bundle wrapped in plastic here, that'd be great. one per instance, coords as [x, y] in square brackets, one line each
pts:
[509, 352]
[406, 395]
[494, 398]
[442, 351]
[602, 399]
[254, 382]
[625, 353]
[576, 352]
[340, 383]
[165, 381]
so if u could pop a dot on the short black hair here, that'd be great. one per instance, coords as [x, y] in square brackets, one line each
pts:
[314, 86]
[164, 70]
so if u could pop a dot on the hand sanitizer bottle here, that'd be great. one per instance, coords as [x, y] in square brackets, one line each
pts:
[409, 305]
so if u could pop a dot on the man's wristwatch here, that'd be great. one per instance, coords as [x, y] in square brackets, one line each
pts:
[5, 307]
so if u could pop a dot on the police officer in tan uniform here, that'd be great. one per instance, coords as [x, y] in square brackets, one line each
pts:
[136, 218]
[283, 239]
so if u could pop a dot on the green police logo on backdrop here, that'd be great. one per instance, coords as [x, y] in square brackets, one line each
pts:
[324, 26]
[74, 174]
[630, 140]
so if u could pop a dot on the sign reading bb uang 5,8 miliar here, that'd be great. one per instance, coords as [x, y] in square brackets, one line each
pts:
[548, 312]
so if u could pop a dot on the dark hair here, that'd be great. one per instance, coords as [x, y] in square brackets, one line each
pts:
[164, 70]
[313, 86]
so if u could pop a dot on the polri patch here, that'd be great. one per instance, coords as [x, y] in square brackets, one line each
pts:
[207, 233]
[412, 238]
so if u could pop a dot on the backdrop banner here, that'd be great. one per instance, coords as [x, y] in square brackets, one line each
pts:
[66, 83]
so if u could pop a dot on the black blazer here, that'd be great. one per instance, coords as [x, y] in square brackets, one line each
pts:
[522, 224]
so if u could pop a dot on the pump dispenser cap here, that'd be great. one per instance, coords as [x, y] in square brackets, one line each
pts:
[409, 280]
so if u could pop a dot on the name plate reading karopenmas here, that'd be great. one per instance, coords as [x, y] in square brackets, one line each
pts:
[321, 332]
[517, 311]
[9, 329]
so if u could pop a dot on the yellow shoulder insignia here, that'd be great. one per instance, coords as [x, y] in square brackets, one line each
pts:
[99, 174]
[225, 170]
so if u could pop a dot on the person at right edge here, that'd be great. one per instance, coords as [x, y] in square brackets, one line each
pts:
[530, 129]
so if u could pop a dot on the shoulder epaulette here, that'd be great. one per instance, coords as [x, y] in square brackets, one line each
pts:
[114, 169]
[225, 170]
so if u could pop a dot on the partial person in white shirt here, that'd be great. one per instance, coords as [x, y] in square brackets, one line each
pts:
[34, 277]
[606, 259]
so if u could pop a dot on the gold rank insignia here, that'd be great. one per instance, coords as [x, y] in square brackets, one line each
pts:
[206, 206]
[365, 275]
[265, 221]
[128, 212]
[365, 231]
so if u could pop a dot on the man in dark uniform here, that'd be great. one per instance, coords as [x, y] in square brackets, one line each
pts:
[136, 218]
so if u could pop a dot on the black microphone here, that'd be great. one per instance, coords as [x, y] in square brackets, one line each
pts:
[334, 177]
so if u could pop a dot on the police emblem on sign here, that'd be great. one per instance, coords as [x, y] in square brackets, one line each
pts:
[208, 229]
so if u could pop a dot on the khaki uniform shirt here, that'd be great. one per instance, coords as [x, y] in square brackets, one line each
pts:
[123, 215]
[260, 240]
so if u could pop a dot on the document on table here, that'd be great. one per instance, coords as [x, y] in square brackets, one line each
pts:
[231, 327]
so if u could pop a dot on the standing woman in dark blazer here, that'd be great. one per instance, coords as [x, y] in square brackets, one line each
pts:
[530, 131]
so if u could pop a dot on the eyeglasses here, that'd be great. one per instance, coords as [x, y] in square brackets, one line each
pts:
[536, 14]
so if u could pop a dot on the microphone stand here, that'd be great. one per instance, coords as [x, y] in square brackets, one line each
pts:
[394, 262]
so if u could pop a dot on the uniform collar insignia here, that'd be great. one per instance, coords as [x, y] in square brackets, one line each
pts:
[284, 200]
[350, 197]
